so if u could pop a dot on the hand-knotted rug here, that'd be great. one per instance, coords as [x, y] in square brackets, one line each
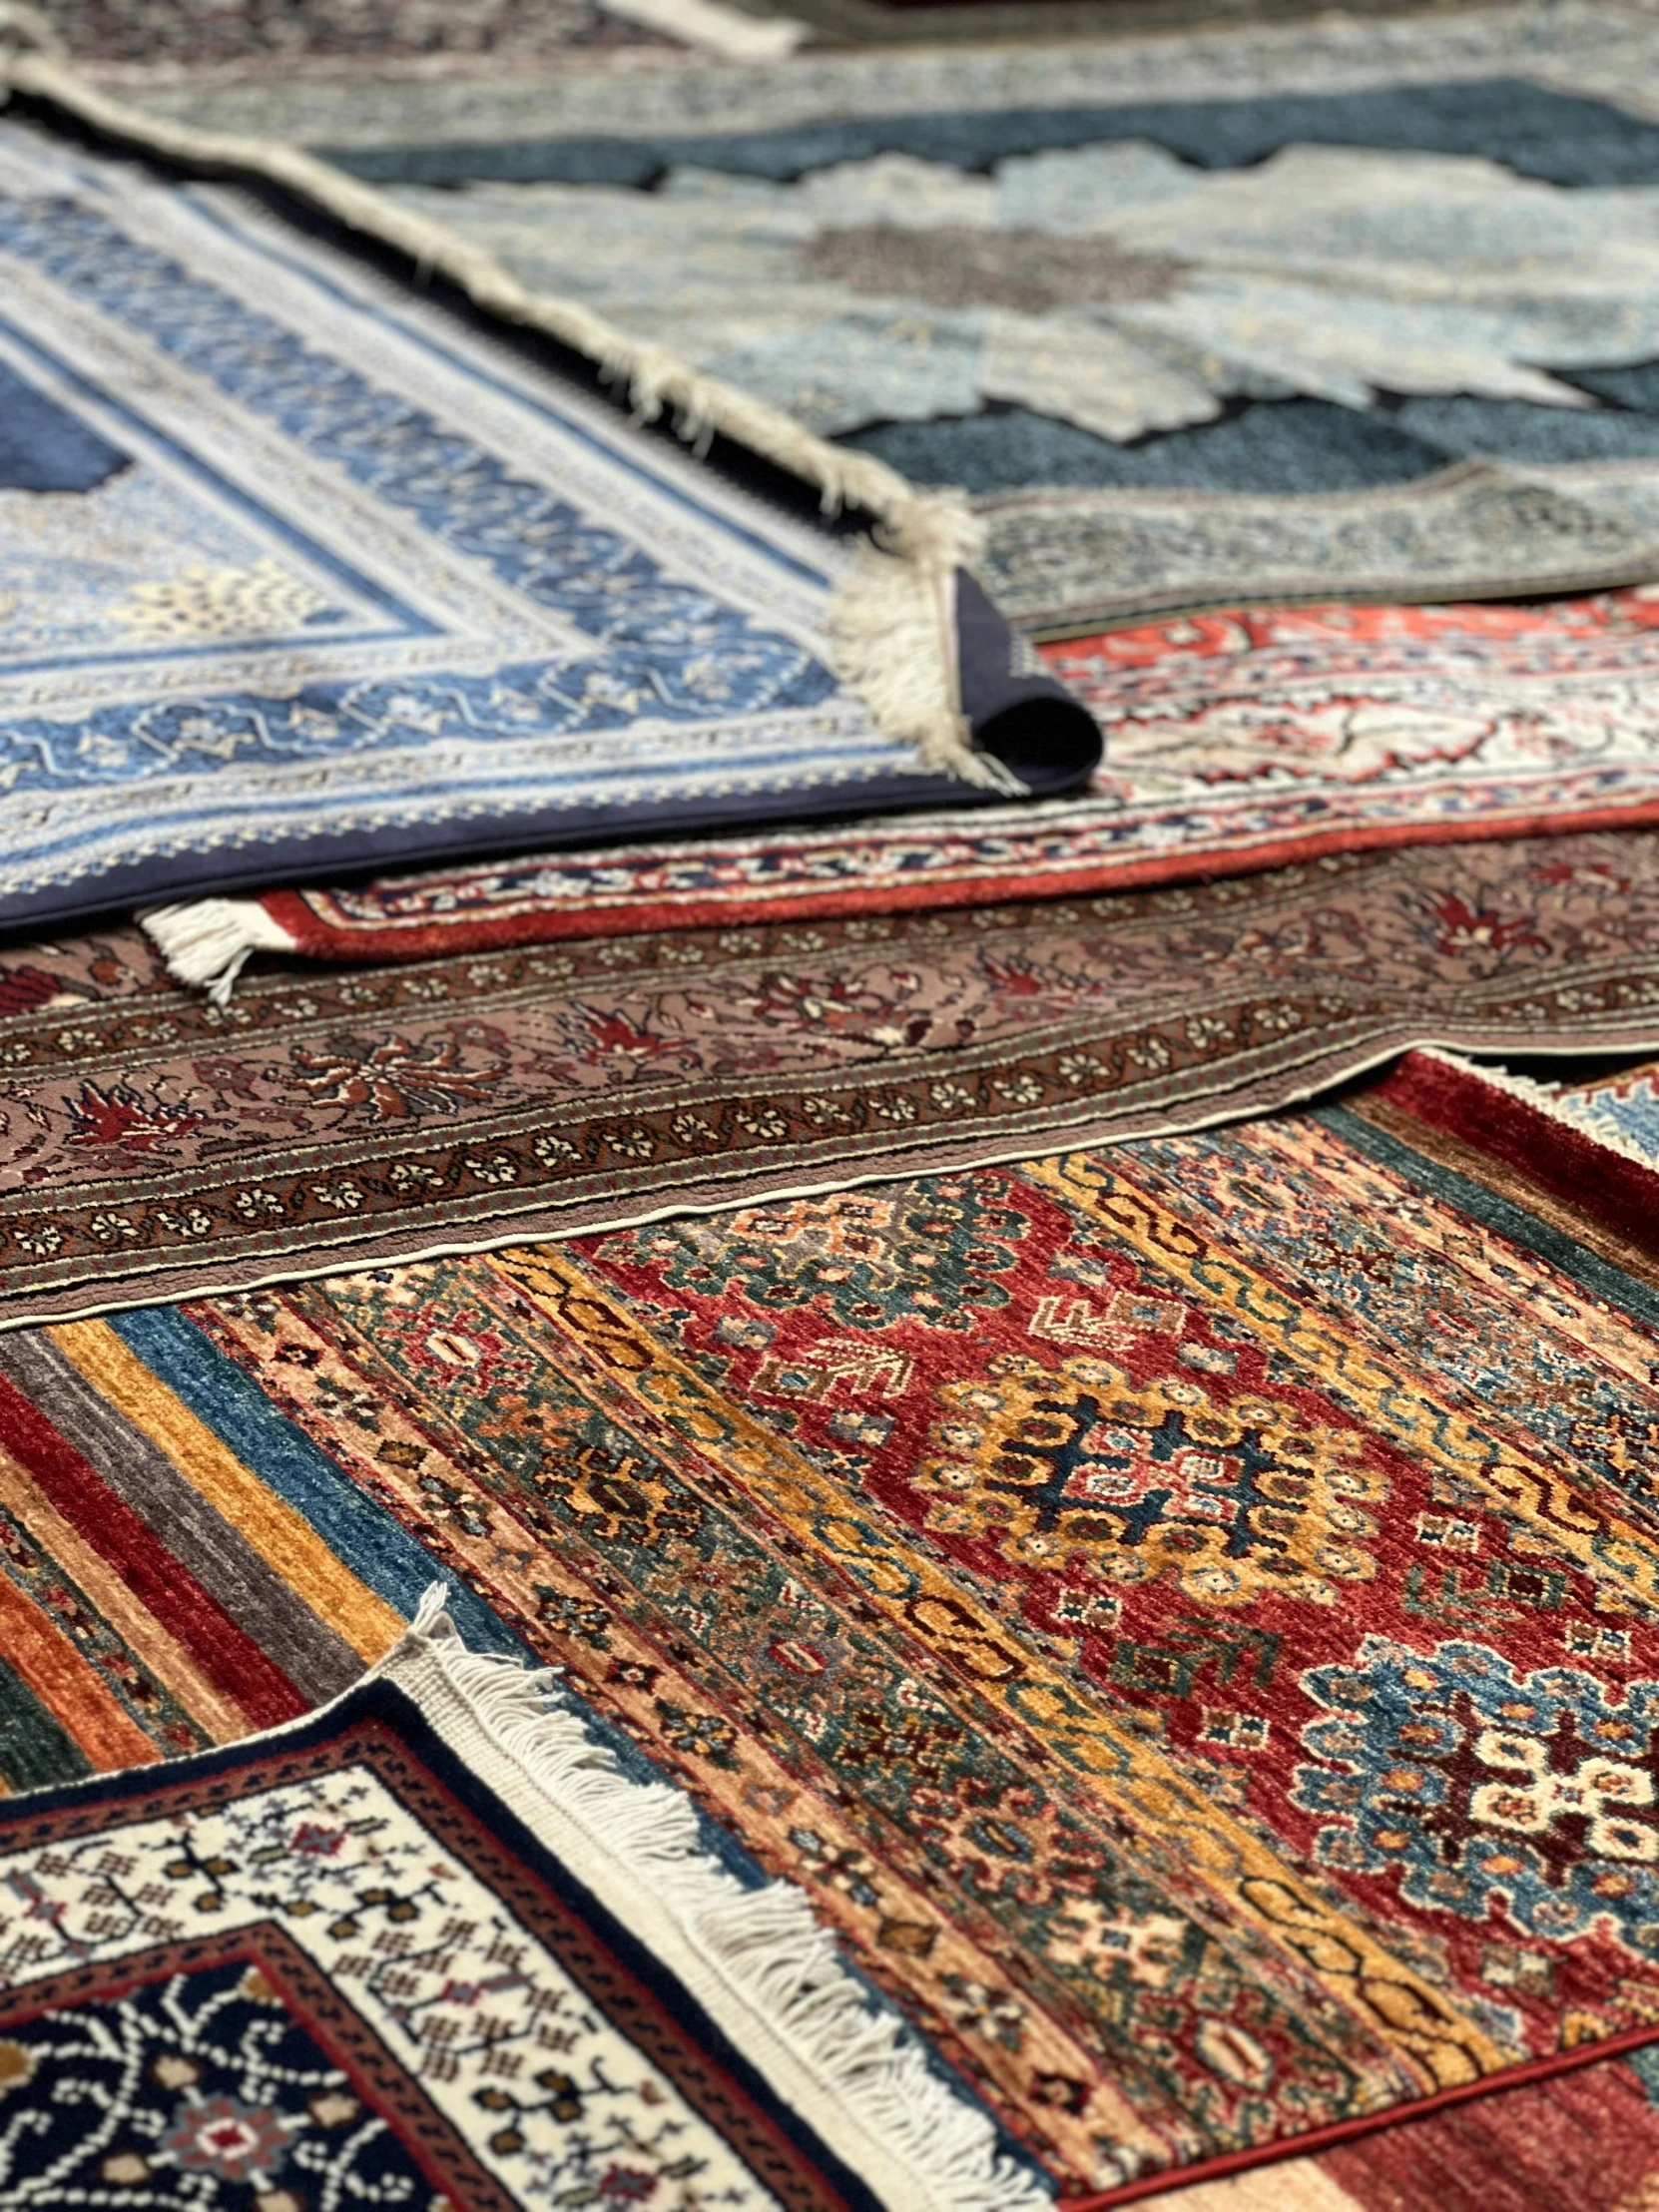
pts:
[1184, 1615]
[300, 573]
[1235, 740]
[1004, 378]
[1299, 290]
[156, 1144]
[432, 1949]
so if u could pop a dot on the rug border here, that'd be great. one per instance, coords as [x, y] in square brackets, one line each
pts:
[1227, 2163]
[600, 1218]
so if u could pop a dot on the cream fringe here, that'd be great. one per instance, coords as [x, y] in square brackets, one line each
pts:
[894, 623]
[755, 1959]
[208, 942]
[1577, 1115]
[718, 29]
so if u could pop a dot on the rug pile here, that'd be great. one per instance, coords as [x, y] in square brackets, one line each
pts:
[829, 1316]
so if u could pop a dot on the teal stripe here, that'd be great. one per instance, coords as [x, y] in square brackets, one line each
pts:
[1575, 1261]
[362, 1533]
[36, 1751]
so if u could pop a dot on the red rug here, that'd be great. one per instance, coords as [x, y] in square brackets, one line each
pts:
[1235, 741]
[159, 1146]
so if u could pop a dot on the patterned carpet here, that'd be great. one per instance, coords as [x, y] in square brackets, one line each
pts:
[1191, 1640]
[337, 1116]
[432, 1949]
[1101, 1620]
[300, 574]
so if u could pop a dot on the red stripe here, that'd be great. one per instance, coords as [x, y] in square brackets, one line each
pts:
[325, 941]
[230, 1660]
[1365, 2123]
[1620, 1194]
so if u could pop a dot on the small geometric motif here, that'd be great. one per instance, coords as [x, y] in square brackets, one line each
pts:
[1482, 1786]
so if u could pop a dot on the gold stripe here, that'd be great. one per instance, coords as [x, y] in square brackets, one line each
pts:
[165, 1657]
[1406, 2014]
[283, 1537]
[72, 1691]
[1607, 1547]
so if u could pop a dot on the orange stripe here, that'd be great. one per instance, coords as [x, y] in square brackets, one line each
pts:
[76, 1697]
[154, 1648]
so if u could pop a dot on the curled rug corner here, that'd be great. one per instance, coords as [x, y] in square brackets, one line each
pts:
[431, 1937]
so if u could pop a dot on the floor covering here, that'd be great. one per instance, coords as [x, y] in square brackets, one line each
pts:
[329, 1117]
[1235, 740]
[299, 575]
[1202, 1591]
[428, 1948]
[1294, 291]
[1174, 1595]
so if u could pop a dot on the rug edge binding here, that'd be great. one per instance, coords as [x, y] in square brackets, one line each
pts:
[757, 1960]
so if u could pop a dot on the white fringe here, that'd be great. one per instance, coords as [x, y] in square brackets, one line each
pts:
[715, 28]
[894, 628]
[896, 647]
[755, 1958]
[207, 942]
[1574, 1113]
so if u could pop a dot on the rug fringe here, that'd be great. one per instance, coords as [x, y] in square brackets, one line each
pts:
[782, 1970]
[894, 628]
[715, 28]
[891, 644]
[208, 942]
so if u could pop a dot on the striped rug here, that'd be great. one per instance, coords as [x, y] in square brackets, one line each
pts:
[181, 1565]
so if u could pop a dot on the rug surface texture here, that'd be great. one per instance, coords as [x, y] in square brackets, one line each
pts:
[279, 33]
[300, 574]
[1234, 740]
[1584, 2142]
[1293, 291]
[1186, 1615]
[432, 1949]
[157, 1143]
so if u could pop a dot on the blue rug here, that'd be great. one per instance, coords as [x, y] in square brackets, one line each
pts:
[298, 574]
[1016, 220]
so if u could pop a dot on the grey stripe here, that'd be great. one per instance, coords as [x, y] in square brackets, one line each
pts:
[315, 1660]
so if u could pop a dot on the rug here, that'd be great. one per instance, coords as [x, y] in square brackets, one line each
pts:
[1238, 739]
[303, 574]
[1584, 2142]
[1291, 292]
[162, 34]
[1062, 562]
[1183, 1614]
[155, 1144]
[430, 1947]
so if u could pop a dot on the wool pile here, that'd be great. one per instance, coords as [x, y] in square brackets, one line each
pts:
[828, 1110]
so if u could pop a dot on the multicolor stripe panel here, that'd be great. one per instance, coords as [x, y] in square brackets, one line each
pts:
[181, 1565]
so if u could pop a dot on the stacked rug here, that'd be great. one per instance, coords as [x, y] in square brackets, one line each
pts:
[763, 1442]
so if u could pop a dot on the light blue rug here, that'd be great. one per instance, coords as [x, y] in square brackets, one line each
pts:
[298, 573]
